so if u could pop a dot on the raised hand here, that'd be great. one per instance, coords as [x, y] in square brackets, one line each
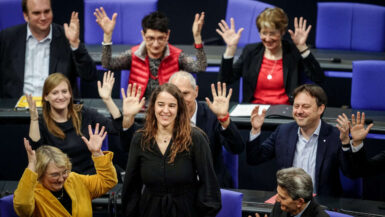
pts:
[221, 101]
[229, 35]
[105, 89]
[343, 125]
[104, 21]
[132, 104]
[257, 119]
[31, 155]
[94, 144]
[34, 115]
[358, 130]
[72, 30]
[300, 34]
[197, 27]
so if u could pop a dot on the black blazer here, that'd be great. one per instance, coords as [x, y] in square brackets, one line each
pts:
[313, 210]
[281, 145]
[230, 138]
[62, 59]
[361, 166]
[295, 69]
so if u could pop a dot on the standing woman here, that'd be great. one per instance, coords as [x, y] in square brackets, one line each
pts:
[273, 68]
[63, 123]
[169, 171]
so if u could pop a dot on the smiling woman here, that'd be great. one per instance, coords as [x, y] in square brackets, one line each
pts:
[63, 123]
[166, 158]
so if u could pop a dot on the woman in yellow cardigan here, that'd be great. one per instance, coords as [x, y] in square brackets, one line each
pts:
[49, 188]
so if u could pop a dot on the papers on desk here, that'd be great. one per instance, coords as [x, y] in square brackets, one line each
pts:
[241, 110]
[23, 104]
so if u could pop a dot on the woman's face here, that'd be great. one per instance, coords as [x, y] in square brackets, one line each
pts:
[271, 38]
[59, 97]
[166, 109]
[54, 177]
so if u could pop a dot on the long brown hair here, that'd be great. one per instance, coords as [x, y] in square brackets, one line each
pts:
[181, 135]
[50, 83]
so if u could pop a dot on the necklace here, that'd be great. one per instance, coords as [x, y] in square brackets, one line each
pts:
[269, 75]
[61, 195]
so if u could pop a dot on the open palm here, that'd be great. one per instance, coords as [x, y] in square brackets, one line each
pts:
[104, 21]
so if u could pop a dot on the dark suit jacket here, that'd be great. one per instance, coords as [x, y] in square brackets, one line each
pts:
[62, 59]
[295, 68]
[282, 143]
[230, 138]
[313, 210]
[361, 166]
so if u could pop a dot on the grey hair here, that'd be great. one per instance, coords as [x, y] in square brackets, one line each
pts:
[296, 182]
[184, 74]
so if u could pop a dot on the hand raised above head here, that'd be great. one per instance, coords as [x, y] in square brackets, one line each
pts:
[229, 35]
[132, 104]
[105, 89]
[343, 125]
[95, 142]
[104, 21]
[31, 155]
[358, 130]
[257, 120]
[221, 100]
[72, 30]
[34, 115]
[198, 25]
[300, 33]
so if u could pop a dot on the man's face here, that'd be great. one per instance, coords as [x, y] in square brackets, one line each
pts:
[39, 16]
[189, 93]
[305, 110]
[156, 42]
[287, 203]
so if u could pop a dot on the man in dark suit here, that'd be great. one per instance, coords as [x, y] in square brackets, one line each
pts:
[307, 143]
[358, 163]
[30, 52]
[213, 118]
[295, 195]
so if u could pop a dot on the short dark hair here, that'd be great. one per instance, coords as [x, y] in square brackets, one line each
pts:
[296, 182]
[313, 90]
[156, 21]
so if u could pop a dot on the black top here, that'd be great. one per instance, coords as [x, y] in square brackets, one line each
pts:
[296, 70]
[187, 187]
[312, 210]
[73, 144]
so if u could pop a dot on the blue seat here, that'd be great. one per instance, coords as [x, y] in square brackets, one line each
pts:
[128, 23]
[351, 187]
[231, 204]
[337, 214]
[245, 12]
[368, 85]
[350, 26]
[231, 162]
[10, 13]
[6, 206]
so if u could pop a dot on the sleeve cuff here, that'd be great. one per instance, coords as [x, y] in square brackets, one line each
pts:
[356, 148]
[252, 137]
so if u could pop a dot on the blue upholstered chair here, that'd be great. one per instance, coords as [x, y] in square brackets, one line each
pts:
[10, 13]
[245, 13]
[128, 23]
[337, 214]
[351, 187]
[6, 206]
[231, 162]
[231, 204]
[368, 85]
[350, 26]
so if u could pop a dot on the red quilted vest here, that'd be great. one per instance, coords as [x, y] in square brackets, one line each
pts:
[140, 70]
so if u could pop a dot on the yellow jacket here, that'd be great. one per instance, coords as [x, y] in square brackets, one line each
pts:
[32, 199]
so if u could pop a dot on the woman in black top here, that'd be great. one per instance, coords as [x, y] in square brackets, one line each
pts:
[169, 171]
[63, 123]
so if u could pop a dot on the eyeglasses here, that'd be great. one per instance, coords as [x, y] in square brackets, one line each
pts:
[150, 39]
[58, 174]
[270, 33]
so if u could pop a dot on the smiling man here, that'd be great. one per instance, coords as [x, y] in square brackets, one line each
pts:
[308, 143]
[30, 52]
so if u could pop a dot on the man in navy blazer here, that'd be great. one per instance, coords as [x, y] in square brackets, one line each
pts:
[213, 118]
[30, 52]
[308, 143]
